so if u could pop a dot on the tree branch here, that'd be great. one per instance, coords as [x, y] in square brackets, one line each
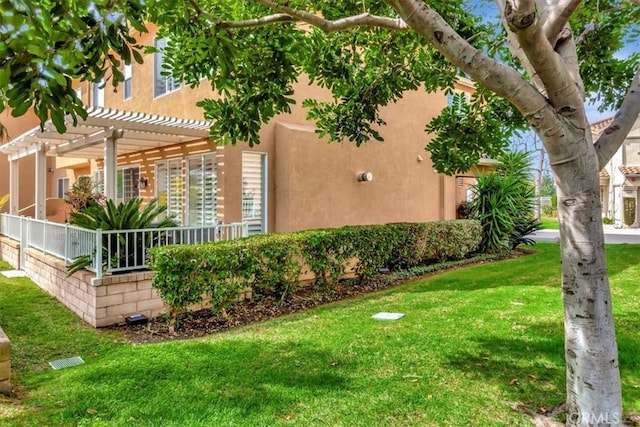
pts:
[558, 17]
[328, 26]
[257, 22]
[613, 136]
[498, 78]
[562, 91]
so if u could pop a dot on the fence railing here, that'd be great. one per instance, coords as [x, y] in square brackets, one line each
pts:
[110, 251]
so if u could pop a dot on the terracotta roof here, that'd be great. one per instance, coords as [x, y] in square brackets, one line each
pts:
[629, 170]
[598, 127]
[604, 174]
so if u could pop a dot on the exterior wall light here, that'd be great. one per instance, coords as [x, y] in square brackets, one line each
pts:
[143, 182]
[365, 176]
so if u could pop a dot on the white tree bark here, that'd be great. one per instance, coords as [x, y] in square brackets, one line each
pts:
[593, 379]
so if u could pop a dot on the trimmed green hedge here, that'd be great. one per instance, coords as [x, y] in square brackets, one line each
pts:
[272, 264]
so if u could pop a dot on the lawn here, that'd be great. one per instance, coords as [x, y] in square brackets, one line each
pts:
[549, 223]
[474, 341]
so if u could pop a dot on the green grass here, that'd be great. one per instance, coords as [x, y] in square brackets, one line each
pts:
[549, 223]
[473, 342]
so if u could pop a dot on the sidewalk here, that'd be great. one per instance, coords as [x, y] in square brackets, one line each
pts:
[611, 235]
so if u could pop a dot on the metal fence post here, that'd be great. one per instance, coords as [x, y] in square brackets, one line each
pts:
[98, 258]
[24, 241]
[66, 242]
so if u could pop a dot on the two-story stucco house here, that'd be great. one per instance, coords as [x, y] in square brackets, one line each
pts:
[148, 139]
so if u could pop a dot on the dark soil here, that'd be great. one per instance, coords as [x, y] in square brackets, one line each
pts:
[205, 322]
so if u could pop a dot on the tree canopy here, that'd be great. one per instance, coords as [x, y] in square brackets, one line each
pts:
[252, 53]
[535, 63]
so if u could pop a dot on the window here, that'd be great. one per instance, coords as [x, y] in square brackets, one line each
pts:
[169, 190]
[127, 180]
[98, 94]
[98, 181]
[127, 82]
[63, 187]
[201, 190]
[162, 84]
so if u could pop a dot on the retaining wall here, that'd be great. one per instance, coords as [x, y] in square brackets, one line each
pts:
[5, 364]
[99, 302]
[10, 251]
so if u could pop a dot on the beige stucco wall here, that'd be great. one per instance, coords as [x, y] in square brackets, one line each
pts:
[311, 184]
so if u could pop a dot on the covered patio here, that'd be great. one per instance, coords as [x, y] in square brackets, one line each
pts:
[105, 134]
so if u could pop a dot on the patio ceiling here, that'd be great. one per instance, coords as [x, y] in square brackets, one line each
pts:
[140, 131]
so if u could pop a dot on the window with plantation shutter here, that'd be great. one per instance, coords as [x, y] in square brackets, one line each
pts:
[201, 190]
[127, 180]
[169, 190]
[98, 181]
[254, 191]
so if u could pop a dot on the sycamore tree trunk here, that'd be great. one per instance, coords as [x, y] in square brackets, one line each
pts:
[593, 379]
[554, 106]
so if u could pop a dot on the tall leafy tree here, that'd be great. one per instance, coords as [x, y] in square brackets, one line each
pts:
[528, 65]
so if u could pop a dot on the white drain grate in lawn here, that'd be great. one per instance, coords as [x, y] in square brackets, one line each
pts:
[13, 273]
[387, 316]
[66, 363]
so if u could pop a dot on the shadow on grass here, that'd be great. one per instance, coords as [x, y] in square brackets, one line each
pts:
[206, 381]
[532, 370]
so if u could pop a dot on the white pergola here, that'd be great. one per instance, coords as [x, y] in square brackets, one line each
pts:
[106, 133]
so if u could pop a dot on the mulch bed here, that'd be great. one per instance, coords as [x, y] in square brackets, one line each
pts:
[205, 322]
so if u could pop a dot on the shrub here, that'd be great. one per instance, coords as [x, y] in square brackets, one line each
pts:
[451, 240]
[81, 194]
[608, 221]
[121, 249]
[370, 245]
[410, 245]
[464, 209]
[272, 264]
[278, 264]
[629, 210]
[326, 255]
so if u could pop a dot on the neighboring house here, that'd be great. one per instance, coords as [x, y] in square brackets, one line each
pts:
[620, 178]
[148, 140]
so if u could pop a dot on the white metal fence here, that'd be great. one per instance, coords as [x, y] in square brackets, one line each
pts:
[109, 250]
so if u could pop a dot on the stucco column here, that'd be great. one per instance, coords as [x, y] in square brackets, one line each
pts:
[110, 161]
[14, 193]
[41, 183]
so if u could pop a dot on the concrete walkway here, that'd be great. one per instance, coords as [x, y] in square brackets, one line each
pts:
[611, 235]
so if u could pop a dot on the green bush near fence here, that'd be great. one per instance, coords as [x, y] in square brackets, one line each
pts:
[271, 265]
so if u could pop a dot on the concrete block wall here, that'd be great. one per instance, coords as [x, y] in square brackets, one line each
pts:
[122, 295]
[10, 251]
[74, 292]
[5, 364]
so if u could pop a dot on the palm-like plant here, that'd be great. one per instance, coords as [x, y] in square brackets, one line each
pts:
[504, 204]
[120, 248]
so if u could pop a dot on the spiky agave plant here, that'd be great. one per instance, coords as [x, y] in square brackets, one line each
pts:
[128, 215]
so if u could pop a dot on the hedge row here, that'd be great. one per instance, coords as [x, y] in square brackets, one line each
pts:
[272, 264]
